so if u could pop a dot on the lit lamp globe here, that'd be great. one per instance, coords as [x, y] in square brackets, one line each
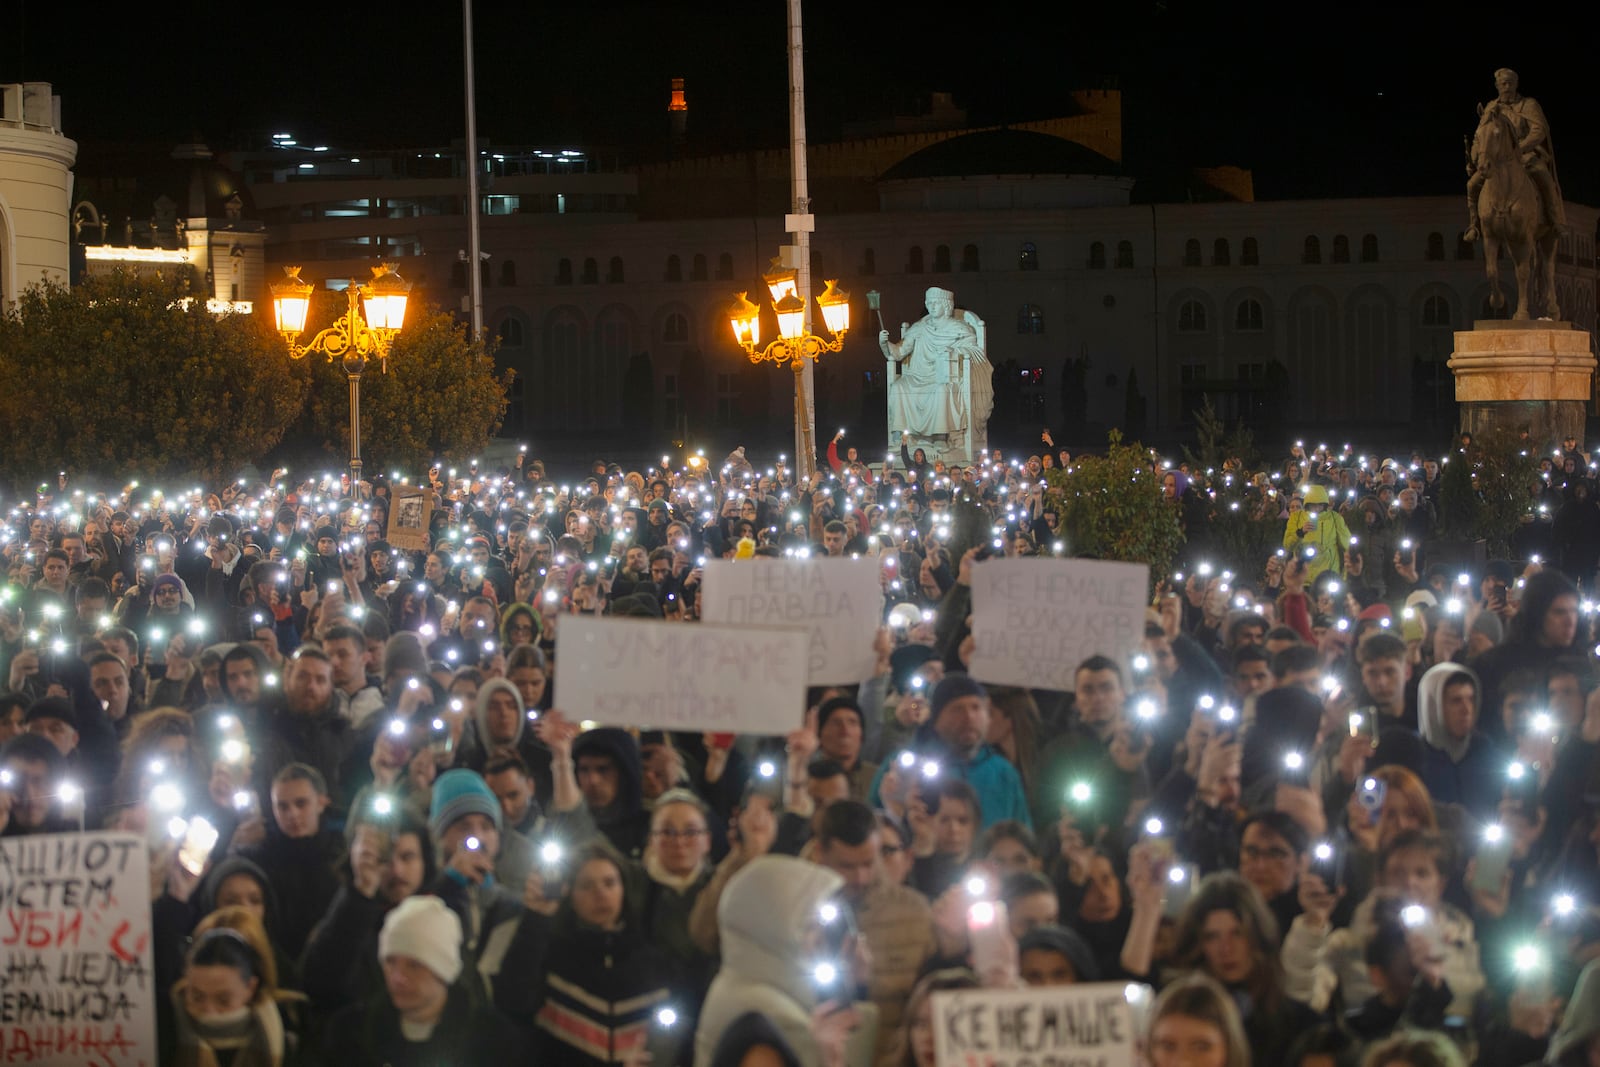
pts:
[791, 317]
[782, 282]
[835, 308]
[384, 300]
[291, 303]
[745, 318]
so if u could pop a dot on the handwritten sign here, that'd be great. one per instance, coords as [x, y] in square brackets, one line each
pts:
[77, 985]
[838, 601]
[1065, 1026]
[639, 672]
[408, 521]
[1035, 620]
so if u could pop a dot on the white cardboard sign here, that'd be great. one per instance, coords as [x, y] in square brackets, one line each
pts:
[77, 980]
[680, 676]
[1035, 620]
[1087, 1025]
[839, 602]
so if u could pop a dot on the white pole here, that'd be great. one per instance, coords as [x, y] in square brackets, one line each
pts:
[800, 226]
[474, 246]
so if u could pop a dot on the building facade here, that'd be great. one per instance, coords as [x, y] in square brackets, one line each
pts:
[35, 189]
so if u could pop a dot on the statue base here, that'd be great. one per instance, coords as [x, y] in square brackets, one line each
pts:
[953, 450]
[1524, 375]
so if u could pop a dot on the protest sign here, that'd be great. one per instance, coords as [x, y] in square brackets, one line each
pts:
[638, 672]
[1062, 1026]
[838, 601]
[409, 519]
[1035, 620]
[77, 984]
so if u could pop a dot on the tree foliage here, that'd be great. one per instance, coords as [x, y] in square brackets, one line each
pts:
[1488, 490]
[1111, 507]
[124, 375]
[440, 399]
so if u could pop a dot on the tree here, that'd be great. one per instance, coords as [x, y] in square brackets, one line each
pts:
[127, 375]
[1111, 507]
[440, 398]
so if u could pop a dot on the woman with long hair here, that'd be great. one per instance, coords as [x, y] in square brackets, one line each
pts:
[1195, 1024]
[915, 1047]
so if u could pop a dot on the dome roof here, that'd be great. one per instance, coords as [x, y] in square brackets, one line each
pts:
[994, 152]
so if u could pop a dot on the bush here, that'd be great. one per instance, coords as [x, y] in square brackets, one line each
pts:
[1111, 507]
[125, 375]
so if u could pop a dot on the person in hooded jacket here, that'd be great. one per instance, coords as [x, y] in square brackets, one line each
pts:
[770, 923]
[224, 1007]
[298, 854]
[1459, 764]
[608, 988]
[500, 722]
[609, 772]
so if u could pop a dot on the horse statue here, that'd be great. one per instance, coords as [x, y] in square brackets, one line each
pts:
[1512, 216]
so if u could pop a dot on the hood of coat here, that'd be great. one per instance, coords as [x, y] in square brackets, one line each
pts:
[480, 712]
[1430, 709]
[767, 914]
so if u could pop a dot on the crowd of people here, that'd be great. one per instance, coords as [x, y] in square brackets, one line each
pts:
[1340, 806]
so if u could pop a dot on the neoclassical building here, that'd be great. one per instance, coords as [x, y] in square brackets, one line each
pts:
[35, 189]
[1108, 302]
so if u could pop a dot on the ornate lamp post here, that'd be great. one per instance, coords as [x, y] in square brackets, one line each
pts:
[794, 345]
[351, 338]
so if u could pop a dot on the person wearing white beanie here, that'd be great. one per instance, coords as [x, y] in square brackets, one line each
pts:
[425, 1014]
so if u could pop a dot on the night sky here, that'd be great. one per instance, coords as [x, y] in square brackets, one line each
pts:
[1326, 100]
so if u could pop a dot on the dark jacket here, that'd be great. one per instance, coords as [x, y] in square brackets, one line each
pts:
[322, 740]
[601, 994]
[368, 1035]
[340, 962]
[503, 945]
[624, 821]
[302, 872]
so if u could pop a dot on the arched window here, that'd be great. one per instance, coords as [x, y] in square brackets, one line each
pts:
[1313, 251]
[1192, 317]
[674, 269]
[969, 257]
[564, 272]
[725, 267]
[591, 272]
[914, 260]
[869, 261]
[1030, 319]
[1248, 317]
[941, 259]
[1191, 252]
[1436, 311]
[1028, 257]
[1220, 254]
[1369, 248]
[1124, 255]
[1435, 246]
[1097, 256]
[1249, 253]
[697, 268]
[508, 272]
[1341, 249]
[511, 332]
[675, 329]
[614, 271]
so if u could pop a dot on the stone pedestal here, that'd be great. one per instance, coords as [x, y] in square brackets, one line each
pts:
[1534, 376]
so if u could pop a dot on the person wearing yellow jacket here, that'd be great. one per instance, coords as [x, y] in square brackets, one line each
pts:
[1317, 535]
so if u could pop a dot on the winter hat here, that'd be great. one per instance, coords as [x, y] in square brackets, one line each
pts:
[1489, 625]
[1376, 613]
[163, 580]
[1069, 943]
[458, 793]
[834, 705]
[51, 708]
[404, 652]
[427, 931]
[285, 515]
[953, 686]
[1424, 597]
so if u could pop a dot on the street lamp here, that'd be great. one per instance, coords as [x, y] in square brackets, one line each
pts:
[351, 338]
[794, 345]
